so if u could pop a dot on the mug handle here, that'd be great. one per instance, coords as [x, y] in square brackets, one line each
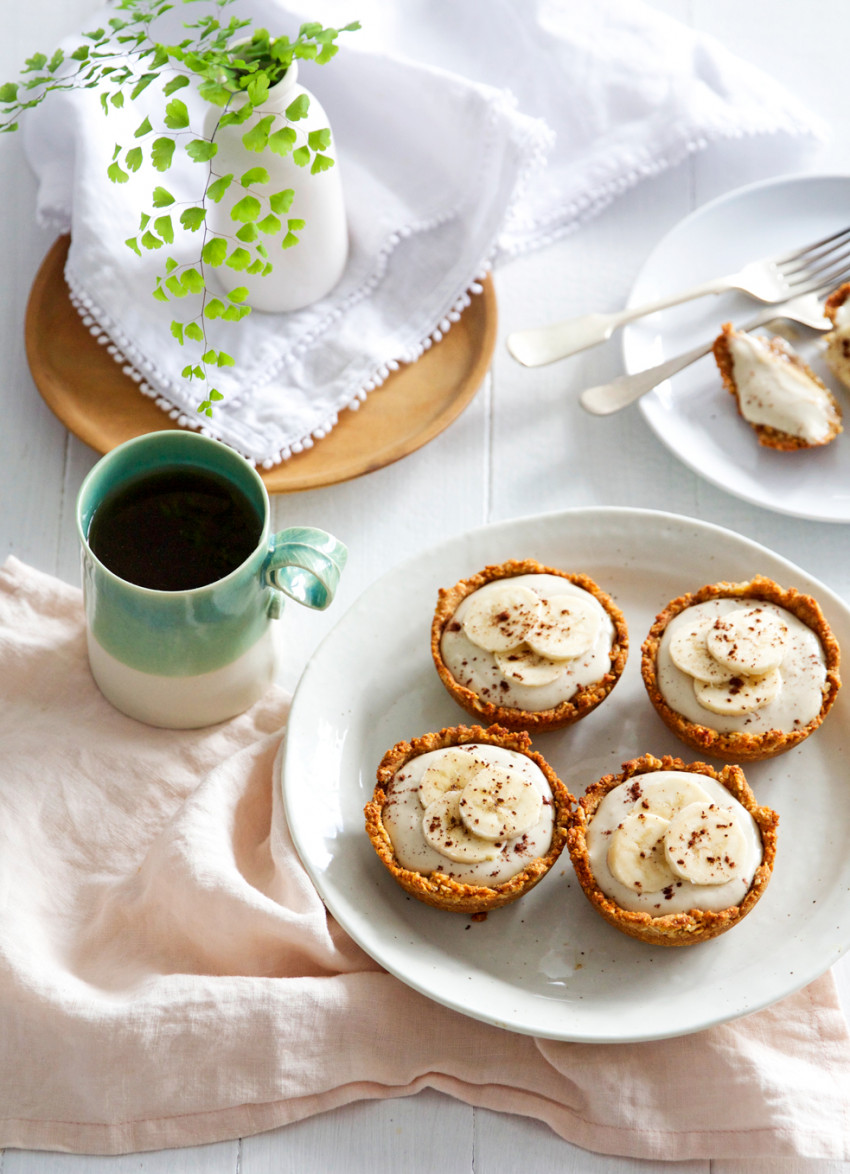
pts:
[305, 564]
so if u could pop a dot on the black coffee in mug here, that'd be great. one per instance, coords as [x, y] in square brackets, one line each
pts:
[174, 529]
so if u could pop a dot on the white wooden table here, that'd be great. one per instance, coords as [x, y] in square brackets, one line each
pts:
[474, 473]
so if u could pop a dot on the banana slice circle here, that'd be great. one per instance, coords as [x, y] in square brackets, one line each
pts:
[739, 695]
[567, 626]
[500, 615]
[446, 832]
[705, 844]
[498, 804]
[636, 853]
[688, 651]
[665, 796]
[751, 641]
[452, 769]
[527, 667]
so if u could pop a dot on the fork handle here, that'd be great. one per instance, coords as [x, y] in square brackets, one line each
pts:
[545, 344]
[620, 392]
[625, 389]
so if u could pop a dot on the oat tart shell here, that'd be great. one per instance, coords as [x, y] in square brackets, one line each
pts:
[835, 301]
[580, 704]
[437, 889]
[673, 929]
[741, 746]
[767, 436]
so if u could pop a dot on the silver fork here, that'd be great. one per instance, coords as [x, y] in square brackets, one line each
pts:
[772, 279]
[806, 308]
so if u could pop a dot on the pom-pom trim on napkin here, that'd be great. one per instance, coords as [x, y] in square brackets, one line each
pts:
[122, 350]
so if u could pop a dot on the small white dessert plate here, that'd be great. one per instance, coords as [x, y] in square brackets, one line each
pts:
[548, 965]
[693, 414]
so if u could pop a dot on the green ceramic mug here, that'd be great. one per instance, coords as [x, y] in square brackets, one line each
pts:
[193, 656]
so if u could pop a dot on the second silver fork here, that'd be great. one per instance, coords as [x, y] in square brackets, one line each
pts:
[806, 308]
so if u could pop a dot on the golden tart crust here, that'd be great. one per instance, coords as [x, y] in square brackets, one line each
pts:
[835, 301]
[580, 704]
[672, 929]
[742, 746]
[767, 436]
[437, 889]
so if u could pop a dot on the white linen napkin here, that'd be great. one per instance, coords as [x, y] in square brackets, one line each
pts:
[443, 116]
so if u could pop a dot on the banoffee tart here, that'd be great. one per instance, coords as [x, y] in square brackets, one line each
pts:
[741, 671]
[778, 395]
[671, 852]
[528, 646]
[467, 819]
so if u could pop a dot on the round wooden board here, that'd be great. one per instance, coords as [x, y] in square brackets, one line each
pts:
[97, 402]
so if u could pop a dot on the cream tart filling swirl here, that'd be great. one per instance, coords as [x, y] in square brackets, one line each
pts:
[476, 812]
[529, 642]
[741, 665]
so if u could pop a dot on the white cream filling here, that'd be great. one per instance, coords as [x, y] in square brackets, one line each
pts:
[680, 895]
[477, 669]
[773, 391]
[403, 815]
[802, 670]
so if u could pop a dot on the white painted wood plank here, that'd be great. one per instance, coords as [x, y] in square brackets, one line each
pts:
[31, 483]
[388, 516]
[205, 1159]
[505, 1144]
[412, 1135]
[777, 1166]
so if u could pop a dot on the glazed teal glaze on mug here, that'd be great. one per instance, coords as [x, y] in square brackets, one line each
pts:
[189, 658]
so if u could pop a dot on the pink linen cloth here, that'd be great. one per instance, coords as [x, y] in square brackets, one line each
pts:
[169, 976]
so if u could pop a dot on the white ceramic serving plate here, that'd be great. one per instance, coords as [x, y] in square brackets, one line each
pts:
[692, 413]
[548, 965]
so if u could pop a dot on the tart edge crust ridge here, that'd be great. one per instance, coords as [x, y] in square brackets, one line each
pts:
[672, 929]
[436, 888]
[580, 704]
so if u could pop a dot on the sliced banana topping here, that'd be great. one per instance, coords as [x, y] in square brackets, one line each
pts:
[452, 769]
[500, 615]
[705, 844]
[751, 641]
[567, 626]
[689, 652]
[667, 794]
[739, 695]
[636, 854]
[498, 804]
[446, 832]
[528, 667]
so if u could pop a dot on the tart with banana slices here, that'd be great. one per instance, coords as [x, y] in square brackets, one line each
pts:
[671, 852]
[528, 646]
[777, 394]
[468, 819]
[742, 671]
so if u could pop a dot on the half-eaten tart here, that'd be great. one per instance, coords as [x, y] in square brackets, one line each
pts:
[837, 353]
[468, 819]
[777, 394]
[528, 646]
[742, 671]
[671, 852]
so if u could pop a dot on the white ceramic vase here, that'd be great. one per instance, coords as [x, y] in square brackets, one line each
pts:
[307, 271]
